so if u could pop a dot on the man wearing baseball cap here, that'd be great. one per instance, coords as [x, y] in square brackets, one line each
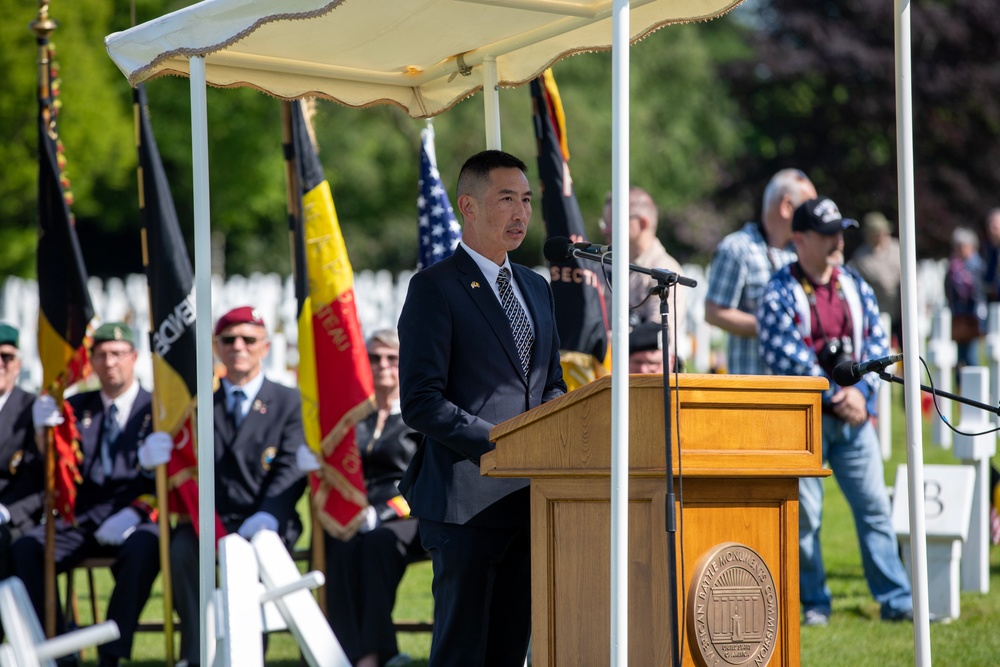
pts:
[258, 428]
[115, 512]
[813, 315]
[22, 473]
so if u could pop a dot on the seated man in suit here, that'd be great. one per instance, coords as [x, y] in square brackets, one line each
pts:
[258, 428]
[478, 346]
[115, 509]
[22, 471]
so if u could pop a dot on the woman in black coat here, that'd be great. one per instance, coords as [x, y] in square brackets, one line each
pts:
[364, 572]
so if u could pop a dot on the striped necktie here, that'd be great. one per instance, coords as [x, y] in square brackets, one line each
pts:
[519, 324]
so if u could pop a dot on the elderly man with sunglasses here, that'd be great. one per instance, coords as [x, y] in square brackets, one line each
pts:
[22, 475]
[258, 428]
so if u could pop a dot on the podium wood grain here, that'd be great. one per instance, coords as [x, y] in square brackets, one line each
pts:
[745, 442]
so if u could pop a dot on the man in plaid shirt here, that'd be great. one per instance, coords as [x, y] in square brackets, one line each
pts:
[814, 314]
[745, 261]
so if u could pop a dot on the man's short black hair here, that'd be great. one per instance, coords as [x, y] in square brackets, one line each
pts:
[476, 170]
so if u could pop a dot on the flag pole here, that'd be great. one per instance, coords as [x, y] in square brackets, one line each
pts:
[43, 26]
[317, 556]
[162, 494]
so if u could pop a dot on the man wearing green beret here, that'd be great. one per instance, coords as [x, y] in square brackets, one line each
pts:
[115, 505]
[22, 472]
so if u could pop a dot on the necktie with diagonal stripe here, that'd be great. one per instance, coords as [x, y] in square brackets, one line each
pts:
[519, 324]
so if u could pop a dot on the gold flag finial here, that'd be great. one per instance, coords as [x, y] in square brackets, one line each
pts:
[43, 25]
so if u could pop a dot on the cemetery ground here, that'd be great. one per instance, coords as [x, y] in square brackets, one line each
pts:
[855, 635]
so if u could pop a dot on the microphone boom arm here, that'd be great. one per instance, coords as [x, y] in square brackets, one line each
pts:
[664, 276]
[889, 377]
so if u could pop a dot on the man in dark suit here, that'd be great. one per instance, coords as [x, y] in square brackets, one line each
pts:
[258, 428]
[478, 345]
[22, 473]
[115, 508]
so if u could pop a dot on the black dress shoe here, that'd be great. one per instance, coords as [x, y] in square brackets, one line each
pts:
[107, 661]
[68, 661]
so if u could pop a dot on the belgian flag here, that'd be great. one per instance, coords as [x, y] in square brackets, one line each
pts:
[172, 318]
[576, 288]
[65, 310]
[335, 377]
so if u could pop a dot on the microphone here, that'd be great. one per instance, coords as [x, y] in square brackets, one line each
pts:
[560, 249]
[848, 373]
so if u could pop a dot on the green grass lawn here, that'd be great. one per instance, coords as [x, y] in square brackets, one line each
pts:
[854, 637]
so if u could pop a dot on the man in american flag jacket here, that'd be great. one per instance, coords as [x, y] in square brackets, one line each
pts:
[814, 314]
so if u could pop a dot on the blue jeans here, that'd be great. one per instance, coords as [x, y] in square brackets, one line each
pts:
[854, 457]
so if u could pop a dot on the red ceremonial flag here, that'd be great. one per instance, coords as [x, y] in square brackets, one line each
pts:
[172, 319]
[65, 312]
[335, 378]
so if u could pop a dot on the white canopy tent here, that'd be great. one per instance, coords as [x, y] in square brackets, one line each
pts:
[425, 56]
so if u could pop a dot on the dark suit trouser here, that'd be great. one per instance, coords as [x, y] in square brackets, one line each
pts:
[362, 575]
[185, 580]
[137, 562]
[482, 594]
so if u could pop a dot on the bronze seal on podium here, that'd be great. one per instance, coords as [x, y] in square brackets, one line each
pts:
[732, 610]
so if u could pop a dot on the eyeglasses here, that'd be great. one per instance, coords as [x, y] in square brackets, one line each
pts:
[377, 359]
[231, 340]
[8, 357]
[107, 355]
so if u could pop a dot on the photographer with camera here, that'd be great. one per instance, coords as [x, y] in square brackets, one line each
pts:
[814, 314]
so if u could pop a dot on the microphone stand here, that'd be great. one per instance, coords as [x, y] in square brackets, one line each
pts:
[664, 279]
[888, 377]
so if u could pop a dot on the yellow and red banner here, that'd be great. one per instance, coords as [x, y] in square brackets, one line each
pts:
[65, 312]
[335, 377]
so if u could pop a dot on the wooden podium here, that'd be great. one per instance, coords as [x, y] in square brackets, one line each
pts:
[745, 442]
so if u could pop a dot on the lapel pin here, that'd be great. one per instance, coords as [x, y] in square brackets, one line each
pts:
[475, 284]
[260, 407]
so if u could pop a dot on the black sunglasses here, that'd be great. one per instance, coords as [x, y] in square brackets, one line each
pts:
[231, 340]
[376, 359]
[8, 357]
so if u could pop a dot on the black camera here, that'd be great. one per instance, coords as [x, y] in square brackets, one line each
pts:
[836, 351]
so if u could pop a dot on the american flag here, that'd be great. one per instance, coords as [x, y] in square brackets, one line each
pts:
[438, 231]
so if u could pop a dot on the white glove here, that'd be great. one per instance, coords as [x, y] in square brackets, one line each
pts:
[155, 450]
[4, 515]
[256, 523]
[371, 520]
[45, 413]
[117, 527]
[305, 458]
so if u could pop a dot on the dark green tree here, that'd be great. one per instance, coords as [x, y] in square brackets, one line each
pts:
[818, 92]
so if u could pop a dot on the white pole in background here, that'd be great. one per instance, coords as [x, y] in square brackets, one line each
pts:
[203, 335]
[619, 332]
[911, 366]
[491, 103]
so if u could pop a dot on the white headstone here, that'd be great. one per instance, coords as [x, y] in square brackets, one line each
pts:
[947, 506]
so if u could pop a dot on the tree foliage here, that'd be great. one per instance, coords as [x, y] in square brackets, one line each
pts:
[819, 90]
[680, 117]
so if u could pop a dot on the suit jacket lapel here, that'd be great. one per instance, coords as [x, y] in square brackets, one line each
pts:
[481, 293]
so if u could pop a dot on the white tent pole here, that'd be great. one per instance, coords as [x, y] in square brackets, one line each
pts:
[491, 103]
[619, 332]
[203, 335]
[911, 366]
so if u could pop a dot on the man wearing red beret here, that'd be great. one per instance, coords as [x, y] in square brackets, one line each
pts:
[258, 428]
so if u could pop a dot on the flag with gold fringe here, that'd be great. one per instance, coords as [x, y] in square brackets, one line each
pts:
[335, 377]
[65, 312]
[576, 288]
[172, 316]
